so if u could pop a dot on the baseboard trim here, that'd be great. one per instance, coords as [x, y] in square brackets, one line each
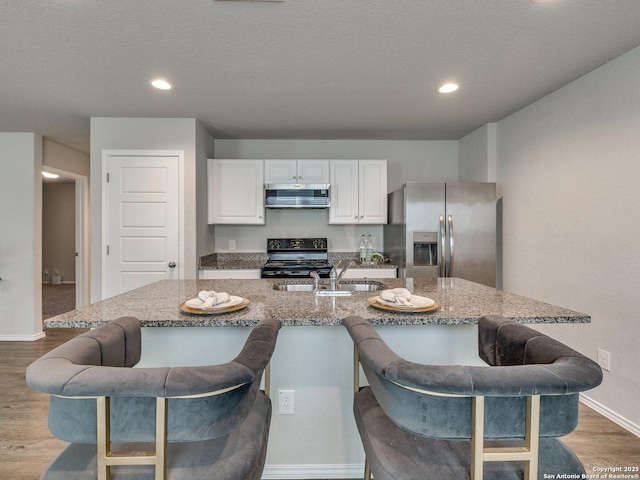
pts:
[611, 415]
[322, 471]
[22, 338]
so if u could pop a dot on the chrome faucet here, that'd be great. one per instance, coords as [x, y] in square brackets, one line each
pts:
[316, 280]
[334, 278]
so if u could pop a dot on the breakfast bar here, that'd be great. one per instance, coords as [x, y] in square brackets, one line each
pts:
[460, 302]
[319, 440]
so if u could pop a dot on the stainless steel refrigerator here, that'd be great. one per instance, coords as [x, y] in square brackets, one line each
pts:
[443, 230]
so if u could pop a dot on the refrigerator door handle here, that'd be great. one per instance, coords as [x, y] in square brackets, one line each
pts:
[451, 245]
[443, 248]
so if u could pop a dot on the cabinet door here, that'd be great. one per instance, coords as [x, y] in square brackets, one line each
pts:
[364, 273]
[313, 171]
[236, 189]
[372, 186]
[296, 171]
[344, 191]
[280, 171]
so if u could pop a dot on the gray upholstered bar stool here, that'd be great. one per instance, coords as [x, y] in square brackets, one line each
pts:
[147, 423]
[499, 422]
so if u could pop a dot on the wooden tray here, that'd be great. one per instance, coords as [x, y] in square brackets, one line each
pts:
[199, 311]
[373, 301]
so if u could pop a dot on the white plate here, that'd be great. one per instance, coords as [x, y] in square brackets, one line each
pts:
[416, 300]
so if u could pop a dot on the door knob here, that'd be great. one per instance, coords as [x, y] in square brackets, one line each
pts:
[172, 264]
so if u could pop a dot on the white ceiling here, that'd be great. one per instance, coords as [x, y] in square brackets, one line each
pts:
[298, 69]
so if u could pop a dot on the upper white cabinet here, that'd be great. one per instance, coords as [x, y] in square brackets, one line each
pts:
[236, 190]
[296, 171]
[358, 192]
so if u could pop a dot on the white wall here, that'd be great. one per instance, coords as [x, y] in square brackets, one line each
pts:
[145, 134]
[569, 169]
[65, 158]
[20, 236]
[205, 234]
[477, 155]
[406, 160]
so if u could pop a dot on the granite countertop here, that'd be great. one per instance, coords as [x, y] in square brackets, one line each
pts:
[255, 261]
[460, 302]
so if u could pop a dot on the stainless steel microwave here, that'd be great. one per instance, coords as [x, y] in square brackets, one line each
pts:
[289, 195]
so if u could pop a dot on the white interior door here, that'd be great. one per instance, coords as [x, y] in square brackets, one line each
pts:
[142, 218]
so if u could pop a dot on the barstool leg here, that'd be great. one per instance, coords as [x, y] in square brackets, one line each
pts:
[367, 470]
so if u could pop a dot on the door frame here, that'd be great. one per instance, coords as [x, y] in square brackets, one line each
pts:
[82, 267]
[106, 154]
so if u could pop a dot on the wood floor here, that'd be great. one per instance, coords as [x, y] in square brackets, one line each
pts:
[27, 447]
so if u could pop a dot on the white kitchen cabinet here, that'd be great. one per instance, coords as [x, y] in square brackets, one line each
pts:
[358, 192]
[236, 191]
[361, 273]
[223, 274]
[296, 171]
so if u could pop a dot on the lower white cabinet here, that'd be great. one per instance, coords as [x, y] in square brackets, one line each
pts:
[361, 273]
[224, 274]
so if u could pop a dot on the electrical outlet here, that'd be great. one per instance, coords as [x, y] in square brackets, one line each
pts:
[232, 244]
[604, 359]
[285, 402]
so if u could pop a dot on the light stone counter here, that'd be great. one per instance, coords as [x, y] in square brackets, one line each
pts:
[460, 301]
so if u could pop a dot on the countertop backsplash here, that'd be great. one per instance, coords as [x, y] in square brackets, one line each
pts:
[255, 260]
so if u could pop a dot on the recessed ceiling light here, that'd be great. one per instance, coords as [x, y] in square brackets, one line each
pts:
[161, 84]
[50, 175]
[448, 88]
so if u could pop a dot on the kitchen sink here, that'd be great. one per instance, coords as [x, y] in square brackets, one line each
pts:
[347, 285]
[295, 287]
[362, 286]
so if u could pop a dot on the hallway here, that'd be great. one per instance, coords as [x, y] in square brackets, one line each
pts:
[57, 299]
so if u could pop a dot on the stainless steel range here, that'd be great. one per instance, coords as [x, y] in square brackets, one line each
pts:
[296, 258]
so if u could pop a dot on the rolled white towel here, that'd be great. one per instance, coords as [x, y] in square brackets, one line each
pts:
[205, 294]
[216, 299]
[401, 296]
[207, 299]
[402, 293]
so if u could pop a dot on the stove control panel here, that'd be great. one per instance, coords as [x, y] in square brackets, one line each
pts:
[296, 244]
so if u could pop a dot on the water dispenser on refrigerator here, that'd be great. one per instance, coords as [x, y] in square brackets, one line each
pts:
[425, 249]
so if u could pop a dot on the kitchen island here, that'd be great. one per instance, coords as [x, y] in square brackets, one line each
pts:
[320, 439]
[460, 301]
